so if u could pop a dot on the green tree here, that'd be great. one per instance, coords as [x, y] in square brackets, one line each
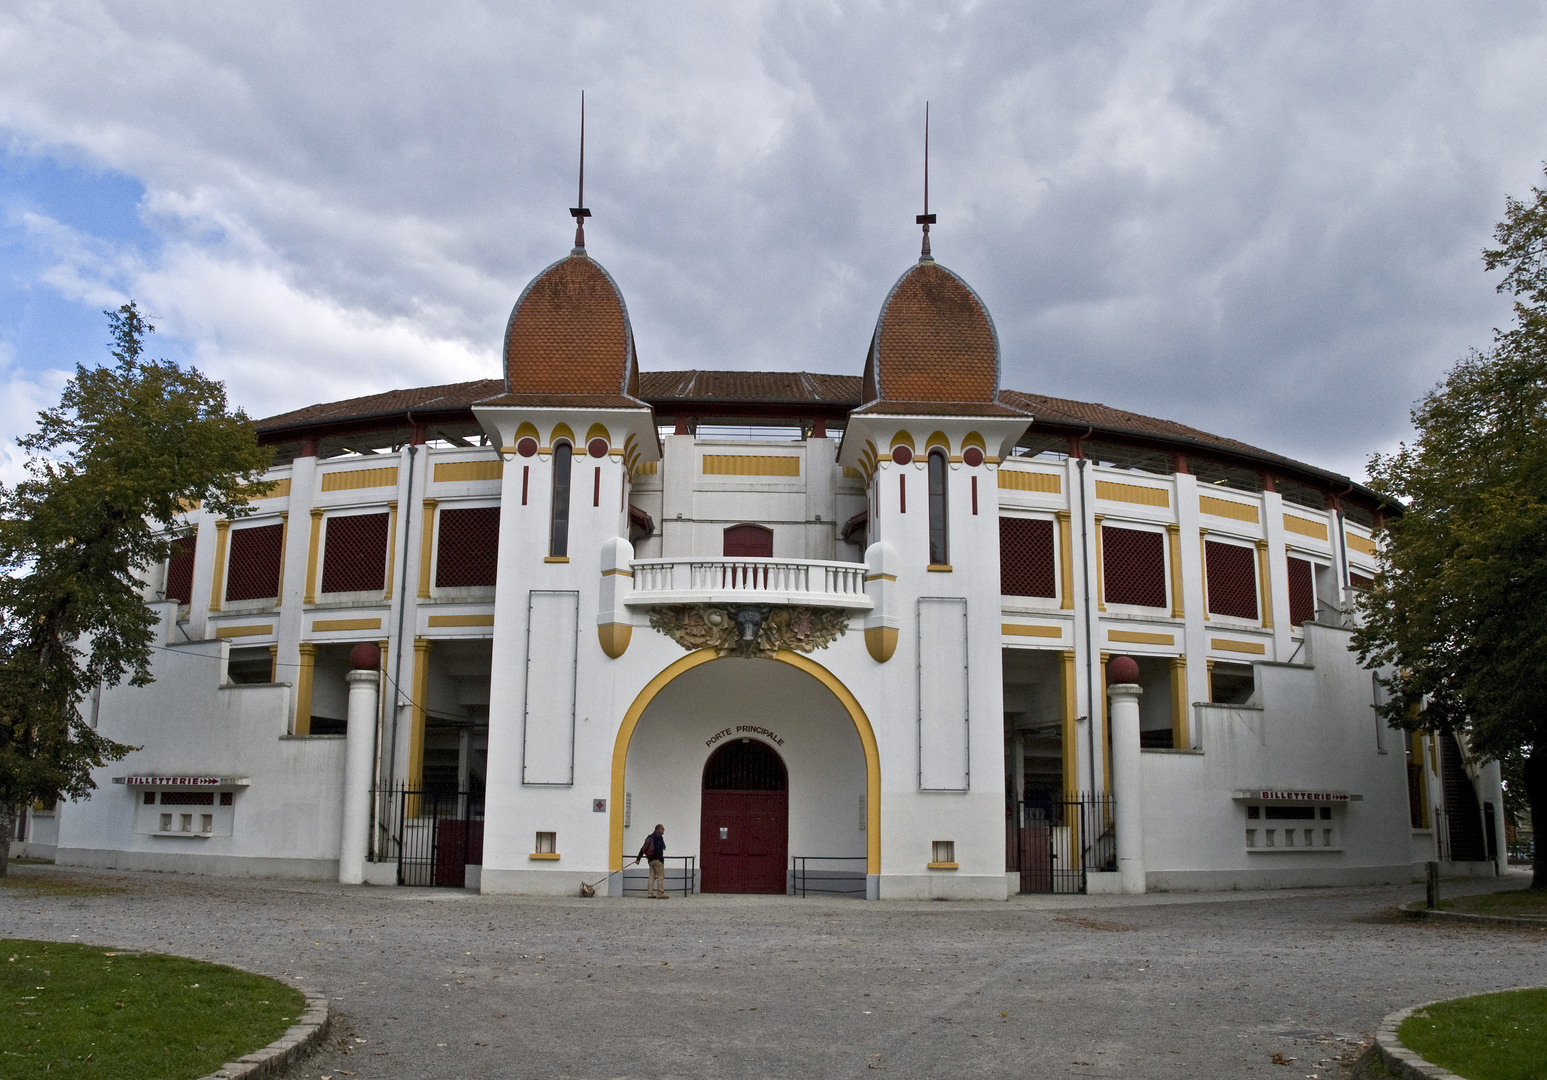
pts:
[1459, 609]
[129, 446]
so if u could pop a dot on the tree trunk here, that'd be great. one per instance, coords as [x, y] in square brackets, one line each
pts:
[7, 828]
[1536, 795]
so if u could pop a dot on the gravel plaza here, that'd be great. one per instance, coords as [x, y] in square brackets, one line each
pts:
[441, 983]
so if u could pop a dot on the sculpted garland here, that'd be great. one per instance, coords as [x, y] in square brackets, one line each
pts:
[750, 629]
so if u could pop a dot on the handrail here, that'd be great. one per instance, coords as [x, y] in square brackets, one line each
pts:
[688, 874]
[801, 883]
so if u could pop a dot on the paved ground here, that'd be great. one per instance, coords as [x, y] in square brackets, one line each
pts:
[433, 983]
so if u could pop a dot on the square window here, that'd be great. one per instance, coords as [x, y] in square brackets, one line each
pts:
[225, 798]
[150, 798]
[547, 843]
[1326, 813]
[1254, 812]
[944, 851]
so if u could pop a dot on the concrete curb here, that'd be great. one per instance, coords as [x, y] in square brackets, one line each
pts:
[299, 1040]
[1398, 1058]
[1417, 910]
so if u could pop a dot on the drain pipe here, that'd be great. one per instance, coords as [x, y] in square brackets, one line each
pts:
[402, 609]
[1090, 655]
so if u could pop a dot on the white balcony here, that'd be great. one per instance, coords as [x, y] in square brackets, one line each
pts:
[749, 581]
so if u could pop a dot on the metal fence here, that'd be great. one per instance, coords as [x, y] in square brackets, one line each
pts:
[432, 835]
[833, 875]
[1053, 839]
[681, 876]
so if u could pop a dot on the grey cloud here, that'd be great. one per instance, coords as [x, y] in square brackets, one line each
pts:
[1259, 219]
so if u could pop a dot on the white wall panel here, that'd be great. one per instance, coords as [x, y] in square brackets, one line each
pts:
[548, 730]
[942, 677]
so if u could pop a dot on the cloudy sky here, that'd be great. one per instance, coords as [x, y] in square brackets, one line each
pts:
[1262, 219]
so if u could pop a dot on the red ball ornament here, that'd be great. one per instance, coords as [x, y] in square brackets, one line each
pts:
[901, 455]
[526, 447]
[972, 456]
[1122, 669]
[597, 447]
[365, 657]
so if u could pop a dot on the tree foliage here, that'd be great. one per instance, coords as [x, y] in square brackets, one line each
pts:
[129, 447]
[1459, 609]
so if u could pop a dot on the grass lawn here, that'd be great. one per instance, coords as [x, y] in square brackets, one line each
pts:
[1489, 1037]
[1508, 902]
[84, 1011]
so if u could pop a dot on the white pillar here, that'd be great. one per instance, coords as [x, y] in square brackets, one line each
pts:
[1128, 784]
[359, 748]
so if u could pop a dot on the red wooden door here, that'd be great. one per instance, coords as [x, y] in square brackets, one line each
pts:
[745, 841]
[744, 821]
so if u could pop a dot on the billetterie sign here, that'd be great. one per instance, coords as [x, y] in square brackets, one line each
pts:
[172, 781]
[1301, 796]
[743, 730]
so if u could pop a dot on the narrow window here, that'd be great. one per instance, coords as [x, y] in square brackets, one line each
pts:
[1302, 592]
[974, 496]
[558, 534]
[526, 476]
[939, 552]
[180, 569]
[547, 843]
[596, 488]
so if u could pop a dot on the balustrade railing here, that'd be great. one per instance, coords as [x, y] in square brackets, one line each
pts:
[835, 583]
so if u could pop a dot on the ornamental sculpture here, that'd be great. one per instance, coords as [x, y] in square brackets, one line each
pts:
[750, 629]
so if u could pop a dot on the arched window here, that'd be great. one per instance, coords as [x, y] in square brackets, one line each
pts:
[558, 532]
[748, 542]
[939, 548]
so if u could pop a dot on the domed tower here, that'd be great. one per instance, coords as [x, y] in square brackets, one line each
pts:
[572, 433]
[928, 440]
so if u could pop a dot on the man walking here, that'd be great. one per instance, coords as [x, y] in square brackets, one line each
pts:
[653, 851]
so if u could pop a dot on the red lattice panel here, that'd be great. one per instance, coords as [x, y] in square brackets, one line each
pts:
[1133, 566]
[1026, 558]
[180, 569]
[1232, 572]
[468, 548]
[355, 558]
[1302, 592]
[252, 571]
[1357, 580]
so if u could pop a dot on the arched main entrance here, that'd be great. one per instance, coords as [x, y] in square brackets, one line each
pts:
[686, 702]
[745, 819]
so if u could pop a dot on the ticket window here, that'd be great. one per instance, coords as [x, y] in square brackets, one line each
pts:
[185, 814]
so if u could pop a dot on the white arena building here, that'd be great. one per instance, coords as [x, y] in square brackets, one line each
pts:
[838, 633]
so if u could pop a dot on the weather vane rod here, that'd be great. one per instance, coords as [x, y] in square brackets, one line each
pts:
[926, 219]
[580, 213]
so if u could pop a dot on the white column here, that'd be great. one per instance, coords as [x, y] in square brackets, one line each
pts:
[1127, 784]
[359, 748]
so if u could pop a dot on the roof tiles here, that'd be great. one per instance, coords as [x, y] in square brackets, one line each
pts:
[934, 341]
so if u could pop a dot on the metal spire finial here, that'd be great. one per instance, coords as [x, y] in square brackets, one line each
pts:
[926, 219]
[580, 213]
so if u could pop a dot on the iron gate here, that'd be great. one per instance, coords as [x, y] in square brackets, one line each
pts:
[433, 836]
[1054, 838]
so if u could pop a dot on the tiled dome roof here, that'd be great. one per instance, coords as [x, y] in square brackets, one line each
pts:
[569, 336]
[934, 343]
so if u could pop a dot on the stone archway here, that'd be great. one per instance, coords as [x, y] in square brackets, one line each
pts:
[824, 693]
